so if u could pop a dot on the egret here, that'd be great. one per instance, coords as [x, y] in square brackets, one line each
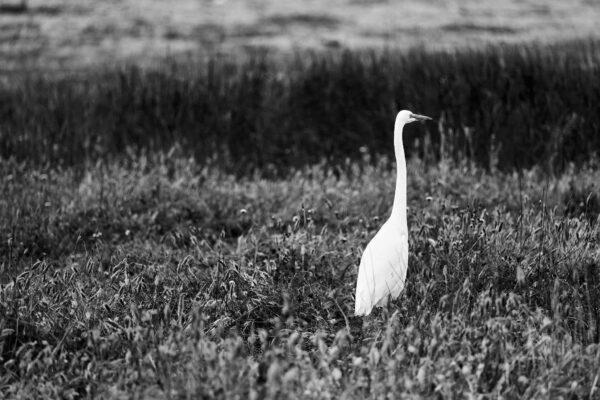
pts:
[384, 262]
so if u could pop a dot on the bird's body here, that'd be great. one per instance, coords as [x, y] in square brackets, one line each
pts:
[382, 273]
[383, 266]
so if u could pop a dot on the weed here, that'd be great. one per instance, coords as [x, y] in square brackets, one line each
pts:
[152, 282]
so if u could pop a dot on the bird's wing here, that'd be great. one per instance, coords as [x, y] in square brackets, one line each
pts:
[382, 271]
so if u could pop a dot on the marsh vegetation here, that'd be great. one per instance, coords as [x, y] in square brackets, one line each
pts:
[195, 232]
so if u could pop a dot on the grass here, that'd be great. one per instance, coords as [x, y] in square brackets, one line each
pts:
[504, 108]
[159, 277]
[225, 267]
[61, 34]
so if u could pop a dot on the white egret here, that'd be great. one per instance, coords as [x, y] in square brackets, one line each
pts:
[384, 262]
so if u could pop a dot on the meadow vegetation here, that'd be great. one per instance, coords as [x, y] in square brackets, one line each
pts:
[503, 107]
[162, 277]
[225, 267]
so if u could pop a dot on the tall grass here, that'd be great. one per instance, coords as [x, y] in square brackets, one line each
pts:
[501, 107]
[162, 277]
[225, 267]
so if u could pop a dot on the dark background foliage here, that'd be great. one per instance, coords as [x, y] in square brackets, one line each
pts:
[507, 107]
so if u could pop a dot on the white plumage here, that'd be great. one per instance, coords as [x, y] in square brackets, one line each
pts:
[382, 271]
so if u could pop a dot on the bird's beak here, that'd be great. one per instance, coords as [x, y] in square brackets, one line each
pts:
[420, 117]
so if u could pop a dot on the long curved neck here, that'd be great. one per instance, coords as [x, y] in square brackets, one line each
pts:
[399, 207]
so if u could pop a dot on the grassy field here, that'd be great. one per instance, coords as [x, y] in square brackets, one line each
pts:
[162, 278]
[60, 35]
[194, 230]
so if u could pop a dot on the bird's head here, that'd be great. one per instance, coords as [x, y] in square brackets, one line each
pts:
[406, 117]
